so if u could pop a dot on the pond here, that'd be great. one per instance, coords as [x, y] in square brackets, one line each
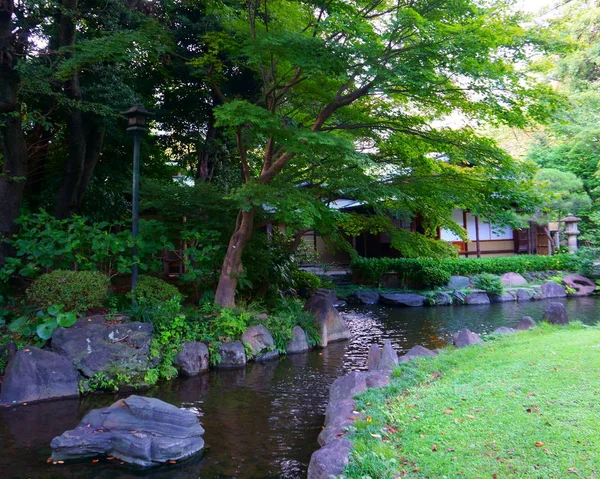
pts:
[261, 421]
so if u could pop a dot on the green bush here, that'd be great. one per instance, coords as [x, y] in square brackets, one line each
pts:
[490, 283]
[421, 270]
[304, 279]
[75, 291]
[155, 289]
[588, 257]
[433, 276]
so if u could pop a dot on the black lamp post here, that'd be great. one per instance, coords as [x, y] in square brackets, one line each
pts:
[136, 121]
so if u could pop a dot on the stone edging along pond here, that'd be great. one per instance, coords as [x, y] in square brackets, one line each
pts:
[460, 291]
[98, 349]
[334, 454]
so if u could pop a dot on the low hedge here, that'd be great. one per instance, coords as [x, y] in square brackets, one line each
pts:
[418, 271]
[75, 291]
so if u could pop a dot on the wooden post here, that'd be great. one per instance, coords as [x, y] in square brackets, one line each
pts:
[465, 227]
[477, 244]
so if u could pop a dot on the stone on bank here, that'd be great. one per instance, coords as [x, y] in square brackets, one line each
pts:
[37, 375]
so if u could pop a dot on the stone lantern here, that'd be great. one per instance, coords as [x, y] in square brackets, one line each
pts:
[571, 231]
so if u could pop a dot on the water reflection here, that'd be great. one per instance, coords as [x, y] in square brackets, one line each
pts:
[261, 421]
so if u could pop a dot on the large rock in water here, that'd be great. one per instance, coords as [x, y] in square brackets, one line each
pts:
[299, 341]
[94, 345]
[403, 299]
[137, 430]
[192, 359]
[37, 375]
[556, 313]
[330, 323]
[260, 342]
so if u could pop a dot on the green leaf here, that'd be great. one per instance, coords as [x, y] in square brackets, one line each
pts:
[54, 310]
[46, 329]
[66, 320]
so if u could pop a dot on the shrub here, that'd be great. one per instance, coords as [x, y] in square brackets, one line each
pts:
[588, 258]
[372, 270]
[433, 276]
[75, 291]
[490, 283]
[304, 279]
[155, 289]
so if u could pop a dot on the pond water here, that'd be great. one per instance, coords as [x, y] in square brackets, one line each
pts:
[261, 421]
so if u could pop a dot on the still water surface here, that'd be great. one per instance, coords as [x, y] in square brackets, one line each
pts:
[261, 421]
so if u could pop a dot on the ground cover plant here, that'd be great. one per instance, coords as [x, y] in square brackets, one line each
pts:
[523, 405]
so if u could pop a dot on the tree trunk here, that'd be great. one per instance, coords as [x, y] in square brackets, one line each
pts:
[12, 141]
[232, 264]
[92, 155]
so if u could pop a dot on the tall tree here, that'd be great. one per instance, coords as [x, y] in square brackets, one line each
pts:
[352, 94]
[12, 141]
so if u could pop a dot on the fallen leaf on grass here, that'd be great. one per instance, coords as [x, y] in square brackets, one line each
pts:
[547, 451]
[434, 448]
[448, 411]
[539, 444]
[378, 436]
[572, 470]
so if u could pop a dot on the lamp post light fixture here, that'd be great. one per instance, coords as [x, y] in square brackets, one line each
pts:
[137, 117]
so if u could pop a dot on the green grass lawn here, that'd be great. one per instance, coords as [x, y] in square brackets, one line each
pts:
[523, 405]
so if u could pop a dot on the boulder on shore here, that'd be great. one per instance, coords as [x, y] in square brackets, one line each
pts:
[582, 285]
[233, 355]
[527, 322]
[459, 282]
[556, 313]
[37, 375]
[260, 342]
[330, 323]
[330, 460]
[403, 299]
[477, 298]
[137, 430]
[364, 297]
[417, 351]
[465, 338]
[94, 345]
[299, 341]
[192, 359]
[513, 279]
[553, 290]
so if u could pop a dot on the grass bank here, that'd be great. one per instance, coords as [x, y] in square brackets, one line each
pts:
[524, 405]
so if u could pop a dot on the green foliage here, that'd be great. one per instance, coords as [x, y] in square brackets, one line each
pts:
[304, 279]
[373, 270]
[171, 330]
[154, 289]
[42, 325]
[490, 283]
[281, 321]
[45, 244]
[76, 291]
[589, 258]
